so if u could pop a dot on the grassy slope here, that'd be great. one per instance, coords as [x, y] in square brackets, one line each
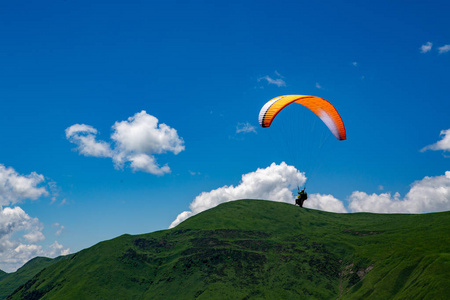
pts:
[262, 249]
[3, 274]
[11, 281]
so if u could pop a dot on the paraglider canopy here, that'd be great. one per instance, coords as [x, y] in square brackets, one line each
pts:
[321, 107]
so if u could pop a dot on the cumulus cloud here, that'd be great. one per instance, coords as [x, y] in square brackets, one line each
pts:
[19, 234]
[135, 142]
[14, 219]
[272, 183]
[181, 217]
[430, 194]
[34, 236]
[444, 49]
[85, 137]
[146, 163]
[325, 202]
[56, 249]
[426, 48]
[15, 187]
[141, 133]
[20, 253]
[382, 203]
[443, 144]
[245, 128]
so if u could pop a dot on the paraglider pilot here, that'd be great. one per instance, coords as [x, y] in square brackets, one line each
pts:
[301, 197]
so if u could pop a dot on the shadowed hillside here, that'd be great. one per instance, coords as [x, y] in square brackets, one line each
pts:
[253, 249]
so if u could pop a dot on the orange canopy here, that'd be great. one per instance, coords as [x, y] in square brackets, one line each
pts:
[321, 107]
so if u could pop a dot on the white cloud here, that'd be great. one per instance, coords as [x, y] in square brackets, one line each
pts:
[245, 128]
[85, 137]
[17, 255]
[325, 202]
[278, 82]
[181, 217]
[426, 48]
[430, 194]
[355, 64]
[443, 144]
[272, 183]
[15, 187]
[276, 182]
[146, 163]
[444, 49]
[318, 85]
[34, 236]
[136, 140]
[80, 128]
[382, 203]
[19, 234]
[56, 249]
[15, 219]
[142, 134]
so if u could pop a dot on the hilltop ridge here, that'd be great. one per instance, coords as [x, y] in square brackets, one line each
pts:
[262, 249]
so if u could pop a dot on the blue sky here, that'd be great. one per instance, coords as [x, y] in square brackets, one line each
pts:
[205, 69]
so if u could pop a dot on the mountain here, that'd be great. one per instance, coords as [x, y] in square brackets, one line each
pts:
[254, 249]
[11, 281]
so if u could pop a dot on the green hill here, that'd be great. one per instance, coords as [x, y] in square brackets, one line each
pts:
[3, 274]
[253, 249]
[11, 281]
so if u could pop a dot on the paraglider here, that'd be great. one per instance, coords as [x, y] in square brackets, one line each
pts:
[301, 197]
[319, 106]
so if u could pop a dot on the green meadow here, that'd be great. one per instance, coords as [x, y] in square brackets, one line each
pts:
[255, 249]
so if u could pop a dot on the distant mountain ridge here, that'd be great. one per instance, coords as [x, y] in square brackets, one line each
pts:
[11, 281]
[253, 249]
